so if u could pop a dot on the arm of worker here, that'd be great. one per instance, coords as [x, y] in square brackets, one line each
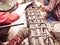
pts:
[22, 34]
[50, 7]
[7, 18]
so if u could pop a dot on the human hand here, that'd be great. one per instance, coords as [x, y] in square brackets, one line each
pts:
[45, 8]
[38, 3]
[42, 7]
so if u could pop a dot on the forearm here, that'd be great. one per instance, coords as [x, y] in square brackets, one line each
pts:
[51, 5]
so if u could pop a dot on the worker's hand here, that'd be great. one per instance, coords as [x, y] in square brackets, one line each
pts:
[38, 3]
[21, 9]
[42, 7]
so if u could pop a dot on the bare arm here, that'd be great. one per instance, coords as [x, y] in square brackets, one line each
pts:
[51, 5]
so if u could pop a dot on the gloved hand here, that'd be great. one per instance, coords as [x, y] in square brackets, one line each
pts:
[20, 10]
[38, 3]
[41, 6]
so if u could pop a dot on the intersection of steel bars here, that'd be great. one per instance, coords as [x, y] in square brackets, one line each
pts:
[37, 26]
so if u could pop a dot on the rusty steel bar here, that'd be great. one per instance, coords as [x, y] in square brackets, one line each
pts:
[36, 25]
[11, 25]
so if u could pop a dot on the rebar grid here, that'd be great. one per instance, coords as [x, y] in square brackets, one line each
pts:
[37, 26]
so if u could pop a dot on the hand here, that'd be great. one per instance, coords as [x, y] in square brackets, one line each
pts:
[45, 8]
[42, 7]
[38, 3]
[20, 10]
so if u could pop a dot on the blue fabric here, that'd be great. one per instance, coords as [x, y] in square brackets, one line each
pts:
[46, 2]
[50, 14]
[50, 20]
